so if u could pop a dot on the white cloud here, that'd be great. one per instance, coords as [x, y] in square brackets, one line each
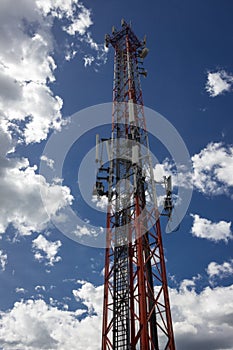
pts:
[79, 20]
[21, 188]
[100, 202]
[40, 288]
[88, 60]
[70, 54]
[3, 260]
[20, 290]
[49, 162]
[46, 250]
[161, 170]
[214, 231]
[35, 325]
[213, 168]
[201, 320]
[23, 206]
[27, 66]
[220, 270]
[78, 16]
[90, 296]
[80, 23]
[27, 104]
[218, 83]
[87, 231]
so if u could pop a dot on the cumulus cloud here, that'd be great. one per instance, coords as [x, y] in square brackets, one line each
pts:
[198, 323]
[3, 260]
[85, 230]
[100, 202]
[28, 106]
[160, 170]
[79, 20]
[40, 288]
[218, 83]
[202, 320]
[220, 270]
[88, 60]
[214, 231]
[35, 325]
[48, 161]
[21, 188]
[45, 250]
[80, 23]
[20, 290]
[90, 296]
[213, 168]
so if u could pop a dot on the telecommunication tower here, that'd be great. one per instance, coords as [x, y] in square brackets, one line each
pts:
[136, 310]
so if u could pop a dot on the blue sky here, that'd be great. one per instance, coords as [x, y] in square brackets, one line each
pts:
[53, 64]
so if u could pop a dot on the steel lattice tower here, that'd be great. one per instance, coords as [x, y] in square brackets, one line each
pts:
[136, 312]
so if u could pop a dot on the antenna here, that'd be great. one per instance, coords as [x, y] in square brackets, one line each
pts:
[168, 205]
[97, 148]
[144, 52]
[169, 184]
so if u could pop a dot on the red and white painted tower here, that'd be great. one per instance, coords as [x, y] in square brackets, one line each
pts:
[136, 311]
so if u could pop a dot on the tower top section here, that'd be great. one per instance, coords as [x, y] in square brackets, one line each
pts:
[118, 36]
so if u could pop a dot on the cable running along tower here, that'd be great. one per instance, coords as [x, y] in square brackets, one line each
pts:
[136, 311]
